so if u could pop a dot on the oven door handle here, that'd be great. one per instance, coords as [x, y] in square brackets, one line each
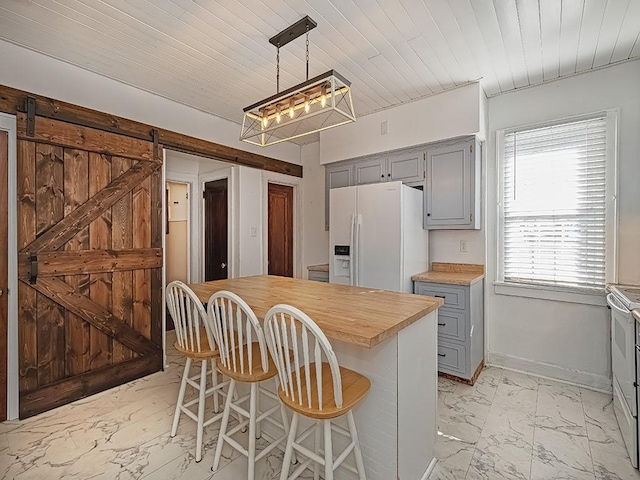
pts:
[614, 303]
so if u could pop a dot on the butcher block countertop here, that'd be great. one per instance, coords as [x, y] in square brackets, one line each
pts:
[353, 315]
[323, 267]
[452, 274]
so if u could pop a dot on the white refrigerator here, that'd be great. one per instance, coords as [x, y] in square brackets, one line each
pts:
[376, 239]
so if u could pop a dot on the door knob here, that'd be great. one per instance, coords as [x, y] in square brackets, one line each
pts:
[223, 265]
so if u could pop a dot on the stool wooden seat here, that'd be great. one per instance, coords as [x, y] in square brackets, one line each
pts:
[314, 385]
[244, 358]
[354, 389]
[196, 343]
[258, 374]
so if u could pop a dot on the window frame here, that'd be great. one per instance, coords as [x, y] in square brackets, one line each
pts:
[555, 292]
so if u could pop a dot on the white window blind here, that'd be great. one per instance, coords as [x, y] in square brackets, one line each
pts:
[554, 205]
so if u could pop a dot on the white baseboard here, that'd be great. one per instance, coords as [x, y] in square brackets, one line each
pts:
[553, 372]
[430, 468]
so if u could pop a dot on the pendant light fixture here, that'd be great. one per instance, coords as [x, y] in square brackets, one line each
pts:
[314, 105]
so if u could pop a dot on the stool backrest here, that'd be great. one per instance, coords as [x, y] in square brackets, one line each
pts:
[235, 327]
[189, 317]
[289, 329]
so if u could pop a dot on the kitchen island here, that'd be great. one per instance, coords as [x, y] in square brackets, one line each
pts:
[389, 337]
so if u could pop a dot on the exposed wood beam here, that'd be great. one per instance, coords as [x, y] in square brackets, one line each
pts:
[13, 101]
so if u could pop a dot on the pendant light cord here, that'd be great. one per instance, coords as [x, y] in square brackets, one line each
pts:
[307, 51]
[278, 69]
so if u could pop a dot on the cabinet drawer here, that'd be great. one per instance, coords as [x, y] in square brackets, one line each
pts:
[318, 276]
[452, 324]
[452, 358]
[454, 297]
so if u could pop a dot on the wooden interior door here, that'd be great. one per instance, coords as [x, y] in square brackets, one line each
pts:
[215, 230]
[4, 278]
[89, 261]
[280, 226]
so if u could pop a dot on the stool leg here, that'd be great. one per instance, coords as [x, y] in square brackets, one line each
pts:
[214, 379]
[285, 420]
[183, 388]
[251, 451]
[357, 452]
[316, 448]
[288, 452]
[201, 403]
[258, 427]
[328, 451]
[223, 425]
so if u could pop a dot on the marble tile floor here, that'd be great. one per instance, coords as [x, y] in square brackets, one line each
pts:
[514, 426]
[507, 426]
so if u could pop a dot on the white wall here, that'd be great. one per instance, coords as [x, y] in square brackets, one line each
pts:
[444, 245]
[316, 238]
[449, 114]
[565, 340]
[34, 72]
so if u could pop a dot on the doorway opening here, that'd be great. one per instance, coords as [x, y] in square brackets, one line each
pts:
[216, 212]
[280, 229]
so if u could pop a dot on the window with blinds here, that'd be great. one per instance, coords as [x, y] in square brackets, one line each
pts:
[554, 205]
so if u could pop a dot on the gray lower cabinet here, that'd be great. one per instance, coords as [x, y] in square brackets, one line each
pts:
[460, 326]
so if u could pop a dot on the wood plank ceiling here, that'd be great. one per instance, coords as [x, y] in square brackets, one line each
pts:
[214, 55]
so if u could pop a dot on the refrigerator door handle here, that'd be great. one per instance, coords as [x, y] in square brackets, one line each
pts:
[351, 249]
[358, 222]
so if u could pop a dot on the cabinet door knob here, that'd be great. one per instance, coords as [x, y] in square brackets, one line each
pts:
[428, 214]
[382, 176]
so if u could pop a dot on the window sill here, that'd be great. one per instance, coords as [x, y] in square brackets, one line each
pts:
[549, 293]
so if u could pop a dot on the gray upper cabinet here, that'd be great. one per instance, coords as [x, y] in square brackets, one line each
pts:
[370, 171]
[452, 186]
[448, 172]
[336, 176]
[406, 167]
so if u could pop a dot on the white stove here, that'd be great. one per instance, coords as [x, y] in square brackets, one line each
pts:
[628, 296]
[622, 300]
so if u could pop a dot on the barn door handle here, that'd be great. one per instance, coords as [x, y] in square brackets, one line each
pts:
[33, 270]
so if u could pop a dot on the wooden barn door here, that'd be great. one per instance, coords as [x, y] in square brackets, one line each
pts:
[90, 261]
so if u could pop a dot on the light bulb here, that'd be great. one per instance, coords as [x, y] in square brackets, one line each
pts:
[323, 101]
[278, 116]
[292, 104]
[306, 103]
[265, 122]
[291, 112]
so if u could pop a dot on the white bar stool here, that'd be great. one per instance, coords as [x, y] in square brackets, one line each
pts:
[319, 390]
[244, 358]
[196, 342]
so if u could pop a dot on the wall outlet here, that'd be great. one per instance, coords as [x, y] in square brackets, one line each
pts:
[253, 231]
[463, 246]
[384, 128]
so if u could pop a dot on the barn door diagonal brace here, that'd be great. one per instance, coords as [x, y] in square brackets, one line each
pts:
[30, 108]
